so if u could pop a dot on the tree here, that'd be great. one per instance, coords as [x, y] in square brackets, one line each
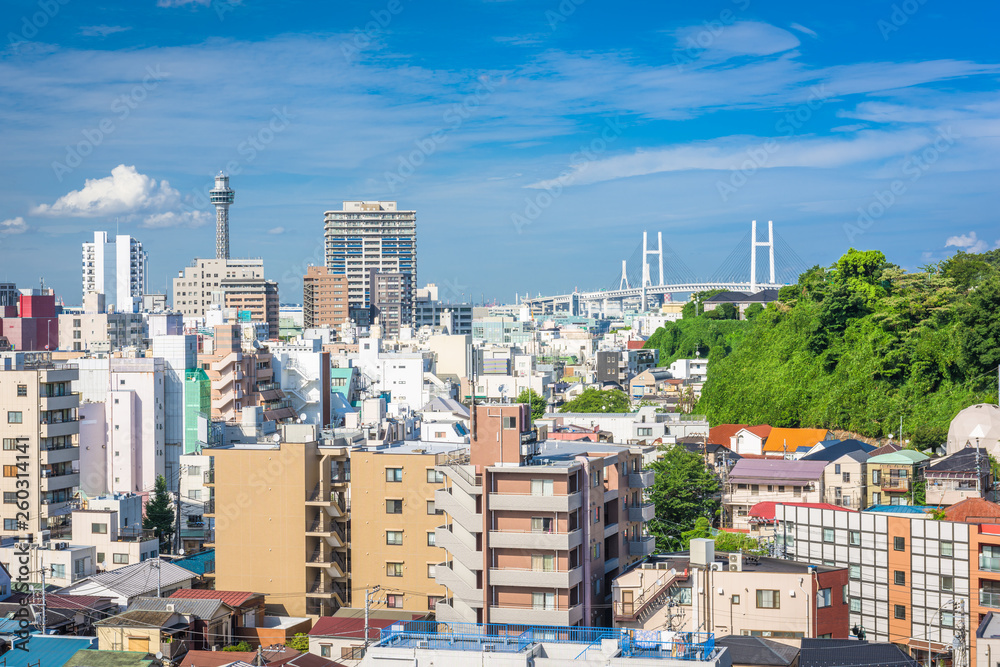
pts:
[738, 542]
[753, 310]
[300, 642]
[537, 403]
[242, 647]
[598, 400]
[979, 336]
[683, 491]
[160, 514]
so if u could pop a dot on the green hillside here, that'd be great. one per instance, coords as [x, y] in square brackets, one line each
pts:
[855, 347]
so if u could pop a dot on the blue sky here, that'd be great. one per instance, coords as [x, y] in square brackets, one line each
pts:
[536, 140]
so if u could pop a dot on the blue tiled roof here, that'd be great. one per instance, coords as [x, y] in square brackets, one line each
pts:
[51, 650]
[902, 509]
[196, 562]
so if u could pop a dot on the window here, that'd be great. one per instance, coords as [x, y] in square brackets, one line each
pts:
[854, 538]
[394, 569]
[432, 601]
[10, 524]
[99, 528]
[394, 601]
[823, 597]
[431, 509]
[120, 559]
[828, 534]
[543, 601]
[10, 497]
[541, 487]
[846, 477]
[947, 583]
[393, 506]
[854, 571]
[543, 562]
[194, 494]
[644, 431]
[15, 417]
[899, 611]
[595, 551]
[899, 577]
[324, 650]
[59, 571]
[394, 474]
[394, 537]
[768, 599]
[9, 444]
[754, 489]
[22, 390]
[431, 539]
[431, 570]
[734, 600]
[856, 605]
[899, 544]
[947, 549]
[542, 524]
[434, 476]
[948, 619]
[876, 476]
[509, 422]
[100, 559]
[836, 468]
[10, 471]
[843, 594]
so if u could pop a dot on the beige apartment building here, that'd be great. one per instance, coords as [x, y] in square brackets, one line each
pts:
[40, 433]
[115, 545]
[324, 298]
[535, 532]
[844, 480]
[394, 522]
[278, 515]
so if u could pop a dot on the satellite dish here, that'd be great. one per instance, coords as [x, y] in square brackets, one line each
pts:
[159, 655]
[302, 418]
[276, 437]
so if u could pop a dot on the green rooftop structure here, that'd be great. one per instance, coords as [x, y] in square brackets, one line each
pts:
[197, 406]
[95, 658]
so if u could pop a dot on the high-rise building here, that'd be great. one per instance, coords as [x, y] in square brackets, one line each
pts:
[391, 296]
[232, 283]
[535, 532]
[222, 197]
[40, 432]
[368, 235]
[324, 298]
[116, 269]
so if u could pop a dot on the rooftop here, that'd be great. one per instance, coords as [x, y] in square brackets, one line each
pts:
[349, 627]
[900, 457]
[758, 651]
[232, 598]
[94, 658]
[973, 510]
[749, 470]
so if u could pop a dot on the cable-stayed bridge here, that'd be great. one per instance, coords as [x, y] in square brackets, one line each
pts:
[754, 264]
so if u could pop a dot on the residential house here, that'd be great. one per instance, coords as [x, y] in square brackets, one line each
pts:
[165, 632]
[144, 579]
[891, 477]
[747, 651]
[750, 440]
[342, 638]
[89, 657]
[794, 442]
[956, 477]
[247, 609]
[762, 516]
[64, 563]
[655, 382]
[752, 481]
[209, 621]
[742, 595]
[837, 652]
[844, 478]
[829, 450]
[64, 614]
[115, 545]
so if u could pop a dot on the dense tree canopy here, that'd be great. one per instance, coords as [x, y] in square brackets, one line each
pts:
[160, 514]
[537, 403]
[597, 400]
[683, 491]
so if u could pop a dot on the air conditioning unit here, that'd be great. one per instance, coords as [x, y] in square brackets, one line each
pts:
[171, 607]
[488, 648]
[60, 546]
[423, 643]
[736, 562]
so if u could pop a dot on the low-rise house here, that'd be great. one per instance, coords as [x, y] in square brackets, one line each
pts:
[891, 477]
[750, 440]
[64, 614]
[752, 481]
[342, 638]
[209, 621]
[746, 651]
[794, 442]
[844, 479]
[89, 657]
[657, 382]
[166, 632]
[143, 579]
[116, 545]
[735, 594]
[271, 656]
[247, 609]
[838, 652]
[956, 477]
[65, 563]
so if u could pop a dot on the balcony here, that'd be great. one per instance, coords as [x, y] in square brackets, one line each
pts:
[642, 546]
[326, 558]
[535, 540]
[57, 482]
[67, 401]
[537, 616]
[209, 507]
[641, 480]
[209, 538]
[537, 578]
[446, 576]
[61, 455]
[989, 598]
[459, 513]
[641, 513]
[57, 429]
[469, 556]
[989, 563]
[527, 502]
[891, 484]
[136, 535]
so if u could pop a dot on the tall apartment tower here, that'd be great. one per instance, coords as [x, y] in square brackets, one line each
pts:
[117, 269]
[222, 197]
[324, 298]
[367, 236]
[40, 431]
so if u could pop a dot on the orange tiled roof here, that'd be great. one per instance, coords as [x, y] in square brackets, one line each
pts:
[790, 439]
[973, 510]
[721, 434]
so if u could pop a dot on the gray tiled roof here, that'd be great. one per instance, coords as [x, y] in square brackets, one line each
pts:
[142, 577]
[203, 608]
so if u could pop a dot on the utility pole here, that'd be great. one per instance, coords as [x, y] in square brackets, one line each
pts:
[963, 662]
[156, 564]
[177, 520]
[43, 591]
[368, 601]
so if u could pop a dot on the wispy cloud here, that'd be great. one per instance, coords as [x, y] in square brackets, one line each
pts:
[102, 30]
[13, 226]
[276, 230]
[751, 38]
[801, 28]
[969, 243]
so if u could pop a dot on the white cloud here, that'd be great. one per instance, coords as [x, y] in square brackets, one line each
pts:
[741, 38]
[182, 3]
[801, 28]
[102, 30]
[276, 230]
[13, 226]
[968, 242]
[128, 193]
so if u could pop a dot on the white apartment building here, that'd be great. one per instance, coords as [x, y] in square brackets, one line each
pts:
[64, 563]
[117, 538]
[99, 331]
[180, 355]
[302, 369]
[116, 269]
[40, 430]
[196, 469]
[371, 235]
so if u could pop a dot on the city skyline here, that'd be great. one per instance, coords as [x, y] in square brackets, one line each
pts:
[554, 138]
